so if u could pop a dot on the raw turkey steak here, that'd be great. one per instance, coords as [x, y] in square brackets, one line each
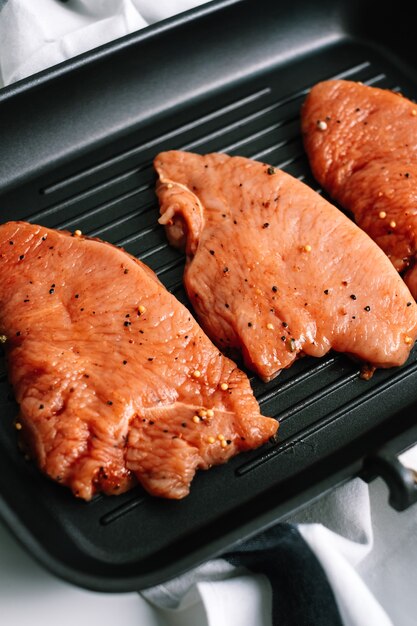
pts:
[274, 270]
[362, 145]
[115, 381]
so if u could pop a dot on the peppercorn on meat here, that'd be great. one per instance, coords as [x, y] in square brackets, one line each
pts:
[274, 270]
[362, 145]
[115, 380]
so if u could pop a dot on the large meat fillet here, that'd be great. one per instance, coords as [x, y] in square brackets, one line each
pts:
[274, 270]
[114, 378]
[362, 146]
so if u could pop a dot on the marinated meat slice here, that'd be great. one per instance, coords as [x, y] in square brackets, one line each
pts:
[362, 146]
[114, 378]
[274, 270]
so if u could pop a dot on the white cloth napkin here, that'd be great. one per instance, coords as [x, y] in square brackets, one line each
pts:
[216, 594]
[36, 34]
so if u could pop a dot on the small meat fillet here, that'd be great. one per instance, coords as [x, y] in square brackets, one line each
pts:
[115, 380]
[362, 145]
[273, 270]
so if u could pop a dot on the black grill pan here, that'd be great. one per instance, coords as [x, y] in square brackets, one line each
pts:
[77, 144]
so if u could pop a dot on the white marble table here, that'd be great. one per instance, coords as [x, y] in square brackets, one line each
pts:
[31, 596]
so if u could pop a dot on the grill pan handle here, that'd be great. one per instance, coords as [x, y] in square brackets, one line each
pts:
[391, 462]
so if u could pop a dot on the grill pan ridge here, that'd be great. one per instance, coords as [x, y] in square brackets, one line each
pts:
[330, 419]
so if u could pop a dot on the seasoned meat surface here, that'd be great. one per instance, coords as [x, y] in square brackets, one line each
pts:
[115, 380]
[362, 145]
[273, 270]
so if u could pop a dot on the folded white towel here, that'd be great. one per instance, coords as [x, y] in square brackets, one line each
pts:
[218, 594]
[36, 34]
